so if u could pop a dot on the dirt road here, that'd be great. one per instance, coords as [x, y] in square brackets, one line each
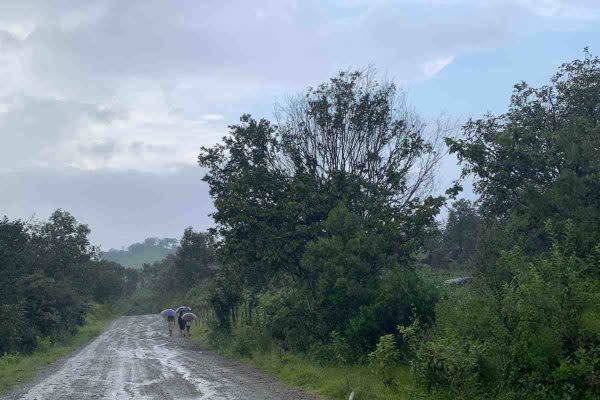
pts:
[136, 359]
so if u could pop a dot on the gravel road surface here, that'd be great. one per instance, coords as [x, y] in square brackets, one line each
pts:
[136, 359]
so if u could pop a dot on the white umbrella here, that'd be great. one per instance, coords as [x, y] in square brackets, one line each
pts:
[189, 316]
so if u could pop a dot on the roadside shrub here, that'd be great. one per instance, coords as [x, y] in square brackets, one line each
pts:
[246, 339]
[12, 328]
[242, 344]
[141, 301]
[43, 344]
[403, 294]
[290, 318]
[9, 358]
[53, 307]
[385, 357]
[336, 351]
[533, 339]
[217, 338]
[447, 363]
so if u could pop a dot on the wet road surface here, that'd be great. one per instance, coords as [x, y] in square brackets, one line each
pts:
[136, 359]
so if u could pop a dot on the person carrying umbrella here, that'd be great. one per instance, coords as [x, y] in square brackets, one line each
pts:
[181, 322]
[188, 318]
[169, 314]
[183, 309]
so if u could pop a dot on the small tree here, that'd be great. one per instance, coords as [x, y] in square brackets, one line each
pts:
[385, 357]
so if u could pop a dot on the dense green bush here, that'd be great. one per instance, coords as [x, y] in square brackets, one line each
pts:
[355, 291]
[336, 351]
[527, 327]
[49, 277]
[385, 357]
[289, 317]
[534, 340]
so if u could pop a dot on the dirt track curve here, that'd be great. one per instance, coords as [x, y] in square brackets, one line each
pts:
[136, 359]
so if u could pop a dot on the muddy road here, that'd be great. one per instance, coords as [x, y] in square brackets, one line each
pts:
[136, 359]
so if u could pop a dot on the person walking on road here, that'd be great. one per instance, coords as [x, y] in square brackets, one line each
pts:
[171, 323]
[181, 323]
[169, 315]
[188, 325]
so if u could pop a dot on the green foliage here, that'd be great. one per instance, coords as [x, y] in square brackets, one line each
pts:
[141, 301]
[334, 382]
[541, 159]
[402, 296]
[456, 242]
[530, 340]
[335, 352]
[194, 259]
[52, 307]
[353, 290]
[344, 269]
[147, 252]
[60, 247]
[289, 317]
[276, 189]
[183, 277]
[245, 340]
[15, 368]
[49, 276]
[527, 327]
[13, 328]
[385, 357]
[192, 262]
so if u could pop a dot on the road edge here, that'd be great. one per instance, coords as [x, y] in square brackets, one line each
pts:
[33, 368]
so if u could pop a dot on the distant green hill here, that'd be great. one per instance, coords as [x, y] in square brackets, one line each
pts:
[149, 251]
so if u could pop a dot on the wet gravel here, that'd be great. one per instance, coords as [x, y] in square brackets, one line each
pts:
[135, 358]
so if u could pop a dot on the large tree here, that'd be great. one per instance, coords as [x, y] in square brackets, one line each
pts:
[61, 246]
[48, 276]
[541, 159]
[357, 126]
[350, 141]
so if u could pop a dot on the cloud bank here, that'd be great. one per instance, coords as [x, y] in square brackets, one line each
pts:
[111, 99]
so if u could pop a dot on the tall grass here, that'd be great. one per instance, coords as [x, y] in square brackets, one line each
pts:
[303, 372]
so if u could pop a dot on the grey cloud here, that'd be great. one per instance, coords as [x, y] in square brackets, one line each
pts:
[108, 115]
[120, 206]
[156, 148]
[138, 147]
[242, 49]
[402, 40]
[84, 64]
[274, 42]
[269, 39]
[103, 150]
[8, 41]
[33, 124]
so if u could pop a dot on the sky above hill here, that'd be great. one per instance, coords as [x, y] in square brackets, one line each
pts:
[105, 104]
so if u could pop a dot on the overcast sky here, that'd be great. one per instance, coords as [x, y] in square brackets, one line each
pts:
[105, 104]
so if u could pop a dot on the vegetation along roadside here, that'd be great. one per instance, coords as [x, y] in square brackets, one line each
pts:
[15, 368]
[326, 263]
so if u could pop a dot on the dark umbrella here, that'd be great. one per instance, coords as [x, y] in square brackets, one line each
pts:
[185, 309]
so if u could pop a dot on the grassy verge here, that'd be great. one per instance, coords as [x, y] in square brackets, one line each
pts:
[16, 369]
[299, 371]
[335, 382]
